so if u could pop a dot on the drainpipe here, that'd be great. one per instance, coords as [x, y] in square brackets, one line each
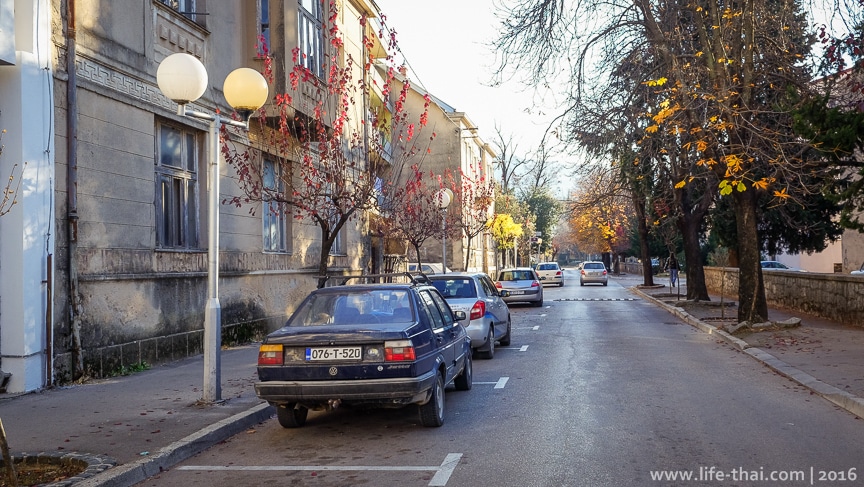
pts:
[72, 191]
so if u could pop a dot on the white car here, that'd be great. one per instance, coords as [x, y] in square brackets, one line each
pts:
[550, 273]
[779, 266]
[429, 269]
[860, 271]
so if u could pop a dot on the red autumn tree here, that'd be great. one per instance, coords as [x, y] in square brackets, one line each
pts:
[413, 209]
[330, 136]
[474, 201]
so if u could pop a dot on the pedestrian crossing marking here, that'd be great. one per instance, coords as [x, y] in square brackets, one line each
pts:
[598, 299]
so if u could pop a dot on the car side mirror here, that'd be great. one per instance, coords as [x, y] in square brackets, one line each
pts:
[459, 315]
[504, 293]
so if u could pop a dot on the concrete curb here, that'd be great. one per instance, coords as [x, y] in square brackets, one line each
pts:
[843, 399]
[138, 471]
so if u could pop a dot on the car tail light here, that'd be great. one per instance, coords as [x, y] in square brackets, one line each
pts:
[498, 285]
[270, 355]
[559, 274]
[478, 310]
[535, 283]
[604, 272]
[399, 351]
[582, 272]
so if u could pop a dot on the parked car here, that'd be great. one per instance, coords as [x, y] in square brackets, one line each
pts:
[550, 273]
[384, 345]
[593, 272]
[488, 316]
[523, 285]
[860, 271]
[429, 269]
[773, 264]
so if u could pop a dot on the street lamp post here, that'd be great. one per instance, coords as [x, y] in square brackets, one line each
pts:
[445, 196]
[183, 78]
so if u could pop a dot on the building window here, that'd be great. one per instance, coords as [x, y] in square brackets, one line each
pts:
[185, 8]
[276, 223]
[310, 32]
[177, 152]
[263, 28]
[338, 247]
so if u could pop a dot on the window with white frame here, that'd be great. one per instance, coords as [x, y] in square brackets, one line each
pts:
[275, 219]
[177, 152]
[263, 44]
[310, 32]
[183, 7]
[338, 247]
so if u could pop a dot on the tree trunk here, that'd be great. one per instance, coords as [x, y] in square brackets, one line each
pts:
[752, 305]
[644, 252]
[697, 290]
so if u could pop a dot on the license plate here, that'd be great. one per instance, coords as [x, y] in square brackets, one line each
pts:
[517, 292]
[333, 353]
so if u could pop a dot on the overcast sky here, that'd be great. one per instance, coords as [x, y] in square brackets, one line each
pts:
[446, 45]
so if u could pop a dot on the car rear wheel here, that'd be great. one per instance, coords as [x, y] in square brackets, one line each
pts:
[432, 413]
[489, 353]
[466, 378]
[538, 304]
[505, 340]
[291, 416]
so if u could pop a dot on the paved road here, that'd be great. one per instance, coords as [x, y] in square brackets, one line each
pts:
[597, 388]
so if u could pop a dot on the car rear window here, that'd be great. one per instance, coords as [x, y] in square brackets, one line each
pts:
[591, 265]
[352, 308]
[455, 288]
[516, 276]
[548, 267]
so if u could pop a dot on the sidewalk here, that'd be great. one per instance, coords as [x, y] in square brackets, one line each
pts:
[143, 423]
[129, 428]
[821, 355]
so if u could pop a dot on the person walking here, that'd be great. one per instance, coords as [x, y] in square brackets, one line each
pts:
[672, 267]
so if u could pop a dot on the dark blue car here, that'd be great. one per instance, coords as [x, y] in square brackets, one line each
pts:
[384, 345]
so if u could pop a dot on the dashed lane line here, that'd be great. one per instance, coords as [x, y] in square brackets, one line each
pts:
[499, 384]
[440, 479]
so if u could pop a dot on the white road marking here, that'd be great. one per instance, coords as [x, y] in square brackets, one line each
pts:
[440, 479]
[536, 328]
[524, 348]
[501, 383]
[445, 470]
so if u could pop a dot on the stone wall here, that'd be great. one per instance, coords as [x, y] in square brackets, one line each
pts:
[837, 297]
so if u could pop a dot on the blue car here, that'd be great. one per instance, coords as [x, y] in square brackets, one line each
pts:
[381, 345]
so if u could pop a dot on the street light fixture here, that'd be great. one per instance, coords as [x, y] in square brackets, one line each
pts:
[445, 196]
[183, 78]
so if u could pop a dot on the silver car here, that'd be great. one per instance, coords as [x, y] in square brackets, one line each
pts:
[593, 272]
[488, 317]
[523, 284]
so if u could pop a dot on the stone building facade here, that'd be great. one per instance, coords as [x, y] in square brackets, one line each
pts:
[103, 260]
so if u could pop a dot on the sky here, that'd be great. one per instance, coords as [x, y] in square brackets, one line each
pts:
[446, 46]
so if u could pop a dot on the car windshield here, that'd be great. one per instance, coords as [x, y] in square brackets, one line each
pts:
[351, 308]
[455, 288]
[516, 276]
